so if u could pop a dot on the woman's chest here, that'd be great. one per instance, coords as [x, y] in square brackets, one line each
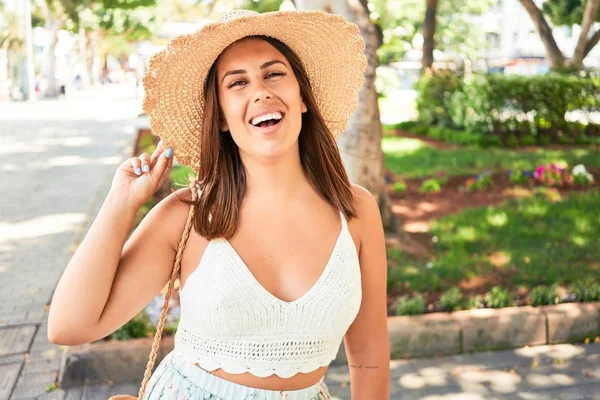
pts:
[228, 298]
[286, 267]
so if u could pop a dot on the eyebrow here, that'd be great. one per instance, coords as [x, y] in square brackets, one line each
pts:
[243, 71]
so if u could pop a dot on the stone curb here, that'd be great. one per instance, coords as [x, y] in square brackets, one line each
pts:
[109, 361]
[410, 336]
[492, 329]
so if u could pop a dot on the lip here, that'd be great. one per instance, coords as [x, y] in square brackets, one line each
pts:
[269, 129]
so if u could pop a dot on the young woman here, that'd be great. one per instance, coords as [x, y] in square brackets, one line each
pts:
[286, 258]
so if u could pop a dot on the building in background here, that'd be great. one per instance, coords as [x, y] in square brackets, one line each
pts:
[514, 45]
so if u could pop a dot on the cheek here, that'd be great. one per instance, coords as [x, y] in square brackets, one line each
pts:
[233, 109]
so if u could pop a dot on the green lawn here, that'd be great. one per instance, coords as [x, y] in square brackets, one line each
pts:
[412, 158]
[539, 241]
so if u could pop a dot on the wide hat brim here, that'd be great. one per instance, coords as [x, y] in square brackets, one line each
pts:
[331, 50]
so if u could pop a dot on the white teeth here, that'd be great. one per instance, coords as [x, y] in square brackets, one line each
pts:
[276, 116]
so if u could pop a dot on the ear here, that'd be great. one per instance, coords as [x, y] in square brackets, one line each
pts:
[303, 108]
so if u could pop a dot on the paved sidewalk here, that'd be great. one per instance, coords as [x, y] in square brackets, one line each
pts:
[56, 158]
[565, 372]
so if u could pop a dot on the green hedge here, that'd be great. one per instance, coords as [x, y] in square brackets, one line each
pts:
[509, 110]
[434, 94]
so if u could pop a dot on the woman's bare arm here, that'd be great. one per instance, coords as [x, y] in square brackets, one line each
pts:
[367, 342]
[108, 282]
[84, 286]
[111, 278]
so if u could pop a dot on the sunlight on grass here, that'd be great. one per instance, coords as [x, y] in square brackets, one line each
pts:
[404, 146]
[411, 271]
[467, 233]
[582, 224]
[536, 209]
[411, 158]
[579, 241]
[543, 241]
[497, 219]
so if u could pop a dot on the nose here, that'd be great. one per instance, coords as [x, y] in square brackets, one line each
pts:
[262, 92]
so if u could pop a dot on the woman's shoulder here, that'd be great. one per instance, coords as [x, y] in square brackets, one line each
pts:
[365, 201]
[172, 212]
[367, 210]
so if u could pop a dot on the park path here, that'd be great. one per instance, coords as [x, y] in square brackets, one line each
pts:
[555, 372]
[57, 158]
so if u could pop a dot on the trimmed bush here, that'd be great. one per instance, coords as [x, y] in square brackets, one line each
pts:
[406, 305]
[544, 295]
[451, 300]
[433, 95]
[515, 110]
[430, 186]
[400, 186]
[138, 327]
[498, 298]
[475, 302]
[586, 289]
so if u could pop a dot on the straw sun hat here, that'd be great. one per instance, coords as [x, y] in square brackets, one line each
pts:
[330, 48]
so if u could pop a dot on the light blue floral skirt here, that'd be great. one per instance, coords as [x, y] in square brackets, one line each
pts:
[176, 379]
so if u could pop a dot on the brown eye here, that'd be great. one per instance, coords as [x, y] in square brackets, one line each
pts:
[272, 74]
[234, 84]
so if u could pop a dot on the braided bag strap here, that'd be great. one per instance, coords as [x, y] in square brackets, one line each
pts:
[163, 313]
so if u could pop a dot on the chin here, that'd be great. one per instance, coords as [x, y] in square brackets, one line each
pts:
[274, 149]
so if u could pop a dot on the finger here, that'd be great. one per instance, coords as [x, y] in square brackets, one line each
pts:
[167, 172]
[162, 166]
[145, 161]
[157, 152]
[136, 165]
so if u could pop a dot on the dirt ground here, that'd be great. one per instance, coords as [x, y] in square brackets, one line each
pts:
[415, 211]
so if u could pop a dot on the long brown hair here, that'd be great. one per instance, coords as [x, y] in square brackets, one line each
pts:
[221, 177]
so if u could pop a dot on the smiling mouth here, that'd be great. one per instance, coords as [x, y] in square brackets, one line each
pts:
[269, 123]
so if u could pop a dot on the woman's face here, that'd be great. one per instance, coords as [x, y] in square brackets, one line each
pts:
[255, 80]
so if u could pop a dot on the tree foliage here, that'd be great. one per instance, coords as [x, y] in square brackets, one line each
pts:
[456, 28]
[263, 6]
[565, 12]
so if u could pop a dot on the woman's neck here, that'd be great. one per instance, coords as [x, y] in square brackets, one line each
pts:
[275, 180]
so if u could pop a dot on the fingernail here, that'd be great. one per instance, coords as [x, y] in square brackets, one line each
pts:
[146, 168]
[138, 171]
[169, 152]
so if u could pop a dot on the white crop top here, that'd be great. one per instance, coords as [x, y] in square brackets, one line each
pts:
[230, 321]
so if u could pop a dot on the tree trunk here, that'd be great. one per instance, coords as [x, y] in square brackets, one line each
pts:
[555, 57]
[51, 91]
[54, 24]
[589, 15]
[95, 59]
[360, 144]
[591, 43]
[84, 76]
[31, 94]
[428, 34]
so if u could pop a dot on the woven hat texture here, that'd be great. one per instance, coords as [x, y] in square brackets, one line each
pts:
[330, 48]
